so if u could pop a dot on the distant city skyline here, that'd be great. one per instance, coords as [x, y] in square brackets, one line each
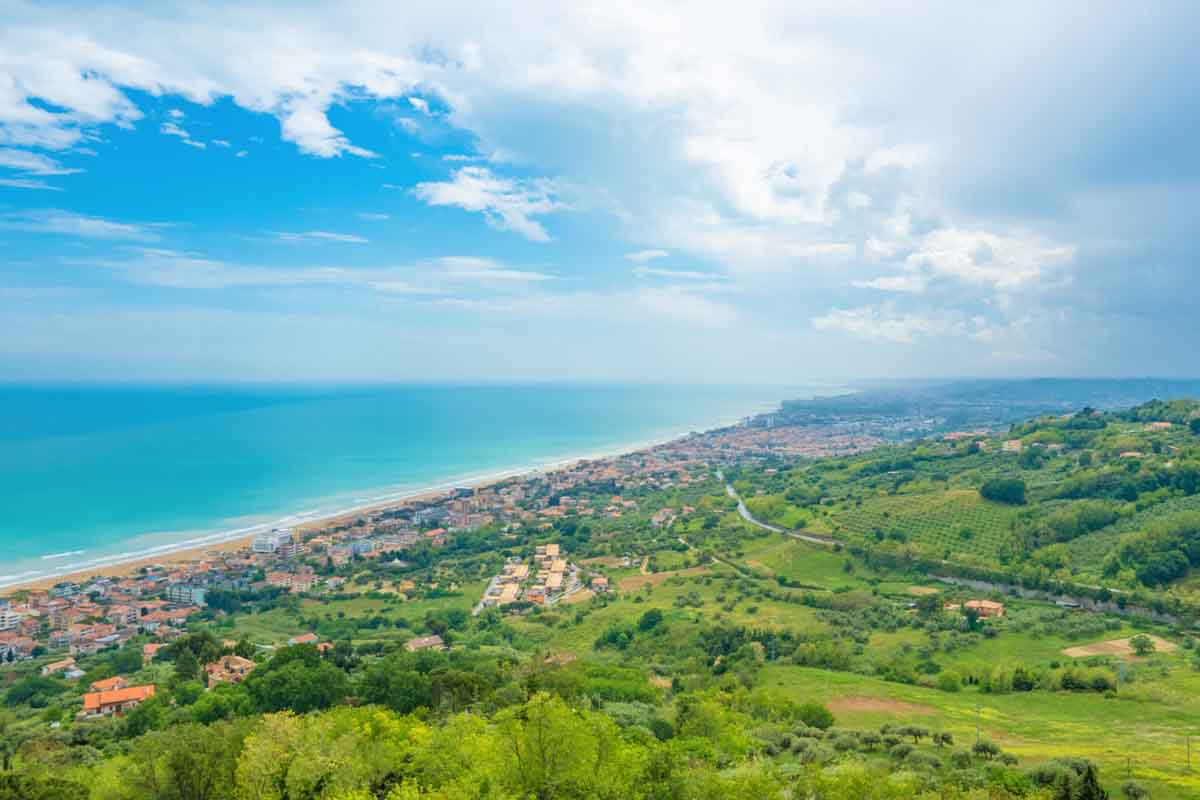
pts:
[761, 193]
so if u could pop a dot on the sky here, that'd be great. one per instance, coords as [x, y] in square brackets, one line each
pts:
[776, 193]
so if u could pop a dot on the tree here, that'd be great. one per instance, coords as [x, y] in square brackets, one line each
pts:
[298, 687]
[1142, 644]
[650, 620]
[1010, 491]
[187, 666]
[815, 715]
[27, 787]
[1194, 426]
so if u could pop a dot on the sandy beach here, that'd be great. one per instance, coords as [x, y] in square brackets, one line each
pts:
[185, 554]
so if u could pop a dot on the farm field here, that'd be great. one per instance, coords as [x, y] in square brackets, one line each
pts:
[955, 521]
[1149, 737]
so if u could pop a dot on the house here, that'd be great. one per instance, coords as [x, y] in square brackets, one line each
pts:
[986, 608]
[65, 665]
[425, 643]
[1011, 446]
[304, 638]
[228, 669]
[109, 684]
[149, 651]
[600, 584]
[103, 704]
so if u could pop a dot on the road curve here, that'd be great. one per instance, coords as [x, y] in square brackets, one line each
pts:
[746, 515]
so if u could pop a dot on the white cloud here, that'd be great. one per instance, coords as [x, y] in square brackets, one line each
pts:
[171, 129]
[420, 104]
[185, 270]
[914, 284]
[369, 216]
[486, 269]
[506, 203]
[881, 323]
[27, 183]
[679, 305]
[320, 236]
[221, 143]
[29, 163]
[677, 274]
[986, 259]
[67, 223]
[642, 256]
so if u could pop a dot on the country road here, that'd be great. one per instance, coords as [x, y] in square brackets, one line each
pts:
[746, 515]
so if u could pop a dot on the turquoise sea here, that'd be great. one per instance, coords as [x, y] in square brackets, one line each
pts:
[91, 475]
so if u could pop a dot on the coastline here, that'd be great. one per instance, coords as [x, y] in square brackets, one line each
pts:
[169, 554]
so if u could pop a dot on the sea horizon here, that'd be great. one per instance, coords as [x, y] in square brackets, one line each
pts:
[215, 428]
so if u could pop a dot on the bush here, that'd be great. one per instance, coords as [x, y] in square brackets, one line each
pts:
[949, 682]
[1134, 790]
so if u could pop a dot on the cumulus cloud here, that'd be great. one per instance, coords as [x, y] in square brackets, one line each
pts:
[881, 323]
[507, 204]
[814, 153]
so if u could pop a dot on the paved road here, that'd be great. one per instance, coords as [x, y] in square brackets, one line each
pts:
[746, 515]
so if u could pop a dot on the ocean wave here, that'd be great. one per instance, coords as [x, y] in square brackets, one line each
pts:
[67, 554]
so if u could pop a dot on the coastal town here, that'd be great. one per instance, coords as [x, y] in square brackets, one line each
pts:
[83, 615]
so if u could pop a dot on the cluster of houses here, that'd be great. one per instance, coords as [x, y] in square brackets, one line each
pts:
[544, 582]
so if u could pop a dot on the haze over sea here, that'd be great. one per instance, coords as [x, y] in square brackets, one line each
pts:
[91, 476]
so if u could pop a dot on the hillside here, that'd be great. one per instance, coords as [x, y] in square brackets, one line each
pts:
[722, 659]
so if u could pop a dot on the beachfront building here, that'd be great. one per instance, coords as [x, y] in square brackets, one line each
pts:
[280, 541]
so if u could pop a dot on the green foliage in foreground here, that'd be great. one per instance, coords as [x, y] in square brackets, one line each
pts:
[544, 749]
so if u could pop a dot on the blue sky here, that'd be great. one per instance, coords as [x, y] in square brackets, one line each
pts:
[768, 193]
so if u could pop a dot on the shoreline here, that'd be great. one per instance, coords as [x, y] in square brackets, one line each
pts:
[198, 547]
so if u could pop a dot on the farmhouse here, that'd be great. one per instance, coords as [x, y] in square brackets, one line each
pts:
[228, 669]
[425, 643]
[986, 608]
